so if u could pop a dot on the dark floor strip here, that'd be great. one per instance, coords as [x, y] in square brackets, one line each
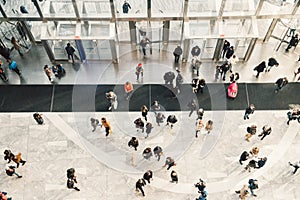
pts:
[89, 98]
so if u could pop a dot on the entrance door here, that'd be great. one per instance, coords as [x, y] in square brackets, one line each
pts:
[207, 46]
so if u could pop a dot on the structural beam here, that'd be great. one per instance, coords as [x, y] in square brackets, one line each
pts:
[270, 30]
[76, 9]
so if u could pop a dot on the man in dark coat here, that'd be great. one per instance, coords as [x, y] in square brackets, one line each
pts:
[226, 46]
[293, 42]
[260, 68]
[280, 83]
[126, 6]
[169, 77]
[229, 52]
[196, 51]
[70, 51]
[177, 53]
[272, 62]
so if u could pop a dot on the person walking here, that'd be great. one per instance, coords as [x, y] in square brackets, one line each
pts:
[251, 130]
[293, 42]
[196, 51]
[252, 186]
[71, 179]
[179, 81]
[248, 111]
[233, 61]
[200, 113]
[177, 53]
[209, 126]
[261, 162]
[105, 123]
[171, 120]
[226, 46]
[149, 128]
[144, 110]
[148, 176]
[218, 71]
[280, 83]
[8, 155]
[243, 193]
[160, 118]
[229, 52]
[169, 162]
[139, 186]
[294, 114]
[70, 52]
[128, 88]
[155, 107]
[266, 130]
[199, 127]
[112, 99]
[13, 66]
[158, 152]
[126, 6]
[174, 177]
[192, 105]
[4, 197]
[139, 124]
[225, 68]
[18, 159]
[49, 73]
[38, 118]
[244, 156]
[133, 143]
[201, 185]
[144, 42]
[10, 171]
[260, 68]
[169, 78]
[234, 77]
[94, 123]
[139, 71]
[297, 71]
[296, 166]
[271, 63]
[147, 153]
[16, 45]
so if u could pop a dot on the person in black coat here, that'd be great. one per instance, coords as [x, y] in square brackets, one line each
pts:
[229, 52]
[260, 68]
[169, 78]
[244, 156]
[272, 62]
[226, 46]
[248, 111]
[280, 83]
[148, 175]
[139, 185]
[196, 51]
[266, 130]
[70, 51]
[293, 42]
[174, 177]
[133, 143]
[157, 152]
[225, 68]
[126, 6]
[177, 53]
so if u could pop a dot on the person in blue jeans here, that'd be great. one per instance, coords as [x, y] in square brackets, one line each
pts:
[252, 186]
[13, 66]
[10, 171]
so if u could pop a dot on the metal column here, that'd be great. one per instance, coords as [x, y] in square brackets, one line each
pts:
[76, 9]
[48, 50]
[113, 48]
[218, 49]
[149, 9]
[250, 49]
[270, 30]
[3, 12]
[166, 31]
[132, 29]
[36, 4]
[25, 26]
[186, 49]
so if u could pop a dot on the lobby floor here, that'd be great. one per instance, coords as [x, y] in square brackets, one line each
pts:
[107, 168]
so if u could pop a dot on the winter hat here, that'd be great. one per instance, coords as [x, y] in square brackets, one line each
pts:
[140, 64]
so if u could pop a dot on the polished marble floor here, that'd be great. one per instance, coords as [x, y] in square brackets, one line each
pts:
[107, 169]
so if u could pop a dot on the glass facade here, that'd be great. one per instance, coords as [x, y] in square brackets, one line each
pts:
[173, 22]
